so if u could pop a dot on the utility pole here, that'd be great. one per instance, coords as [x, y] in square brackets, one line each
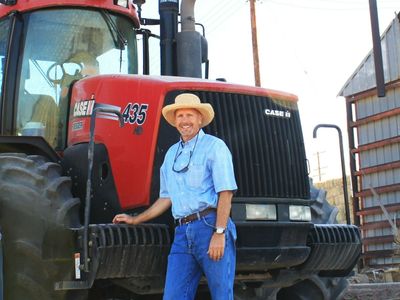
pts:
[319, 167]
[256, 62]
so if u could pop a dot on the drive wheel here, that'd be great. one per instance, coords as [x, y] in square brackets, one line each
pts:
[37, 213]
[316, 287]
[313, 287]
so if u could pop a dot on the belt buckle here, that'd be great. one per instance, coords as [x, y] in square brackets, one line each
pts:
[187, 219]
[182, 221]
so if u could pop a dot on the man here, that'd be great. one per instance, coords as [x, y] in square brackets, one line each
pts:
[197, 180]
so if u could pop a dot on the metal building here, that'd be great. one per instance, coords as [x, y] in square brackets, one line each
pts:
[374, 140]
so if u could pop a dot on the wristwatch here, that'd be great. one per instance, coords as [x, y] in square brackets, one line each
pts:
[219, 230]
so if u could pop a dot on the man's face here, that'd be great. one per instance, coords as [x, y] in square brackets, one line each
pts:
[188, 122]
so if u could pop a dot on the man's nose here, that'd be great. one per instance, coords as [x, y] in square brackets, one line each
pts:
[185, 118]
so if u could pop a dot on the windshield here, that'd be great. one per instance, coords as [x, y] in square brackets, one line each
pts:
[4, 29]
[62, 46]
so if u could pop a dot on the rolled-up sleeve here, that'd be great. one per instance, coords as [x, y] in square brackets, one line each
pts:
[163, 184]
[222, 168]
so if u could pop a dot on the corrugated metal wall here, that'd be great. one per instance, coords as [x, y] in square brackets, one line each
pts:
[363, 78]
[386, 128]
[374, 139]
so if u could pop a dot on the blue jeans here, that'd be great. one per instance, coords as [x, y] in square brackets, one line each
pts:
[188, 261]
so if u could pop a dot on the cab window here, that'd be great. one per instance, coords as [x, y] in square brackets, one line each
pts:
[62, 46]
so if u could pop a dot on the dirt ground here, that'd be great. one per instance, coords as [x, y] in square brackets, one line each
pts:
[374, 284]
[373, 291]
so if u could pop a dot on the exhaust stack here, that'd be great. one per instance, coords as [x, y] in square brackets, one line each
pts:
[191, 45]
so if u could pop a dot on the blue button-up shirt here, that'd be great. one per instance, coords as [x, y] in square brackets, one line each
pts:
[210, 171]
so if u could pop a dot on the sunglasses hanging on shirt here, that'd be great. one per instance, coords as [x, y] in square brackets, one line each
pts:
[186, 168]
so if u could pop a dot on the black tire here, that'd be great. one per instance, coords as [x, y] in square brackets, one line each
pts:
[324, 213]
[254, 293]
[313, 287]
[316, 287]
[37, 212]
[321, 211]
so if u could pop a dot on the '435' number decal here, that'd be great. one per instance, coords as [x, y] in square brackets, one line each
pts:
[135, 113]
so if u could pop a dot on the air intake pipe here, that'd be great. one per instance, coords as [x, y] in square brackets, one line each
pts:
[168, 10]
[191, 45]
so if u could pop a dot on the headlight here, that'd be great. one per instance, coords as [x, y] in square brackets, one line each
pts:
[260, 212]
[299, 213]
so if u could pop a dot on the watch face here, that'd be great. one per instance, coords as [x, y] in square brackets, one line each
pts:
[220, 230]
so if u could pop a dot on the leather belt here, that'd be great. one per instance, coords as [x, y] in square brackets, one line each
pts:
[195, 216]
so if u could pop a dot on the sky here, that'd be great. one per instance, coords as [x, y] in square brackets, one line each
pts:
[306, 47]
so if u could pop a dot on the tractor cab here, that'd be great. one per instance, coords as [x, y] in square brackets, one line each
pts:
[42, 52]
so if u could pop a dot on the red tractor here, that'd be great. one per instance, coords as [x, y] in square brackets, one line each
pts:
[69, 70]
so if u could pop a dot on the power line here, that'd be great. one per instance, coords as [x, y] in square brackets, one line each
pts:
[330, 5]
[214, 12]
[222, 12]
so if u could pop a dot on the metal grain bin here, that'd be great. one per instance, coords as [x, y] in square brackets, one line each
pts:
[374, 140]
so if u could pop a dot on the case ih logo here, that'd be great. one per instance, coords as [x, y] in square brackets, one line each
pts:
[277, 113]
[83, 108]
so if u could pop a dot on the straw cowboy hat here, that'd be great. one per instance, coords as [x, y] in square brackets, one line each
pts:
[187, 100]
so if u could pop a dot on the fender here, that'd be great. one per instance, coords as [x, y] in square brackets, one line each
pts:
[31, 145]
[105, 203]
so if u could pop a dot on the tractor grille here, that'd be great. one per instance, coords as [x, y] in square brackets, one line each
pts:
[268, 151]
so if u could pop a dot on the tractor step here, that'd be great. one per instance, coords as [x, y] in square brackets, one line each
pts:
[329, 243]
[123, 251]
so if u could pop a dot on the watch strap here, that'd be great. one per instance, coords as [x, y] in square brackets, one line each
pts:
[219, 230]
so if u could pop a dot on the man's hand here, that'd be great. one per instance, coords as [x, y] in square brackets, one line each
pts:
[124, 218]
[217, 246]
[156, 209]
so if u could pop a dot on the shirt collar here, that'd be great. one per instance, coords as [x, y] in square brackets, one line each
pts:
[192, 140]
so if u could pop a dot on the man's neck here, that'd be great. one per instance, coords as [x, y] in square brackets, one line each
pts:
[184, 141]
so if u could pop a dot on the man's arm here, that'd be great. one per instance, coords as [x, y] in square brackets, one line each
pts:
[160, 206]
[217, 243]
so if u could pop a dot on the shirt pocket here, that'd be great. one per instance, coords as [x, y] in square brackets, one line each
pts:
[195, 176]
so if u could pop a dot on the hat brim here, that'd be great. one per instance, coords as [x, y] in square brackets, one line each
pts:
[205, 109]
